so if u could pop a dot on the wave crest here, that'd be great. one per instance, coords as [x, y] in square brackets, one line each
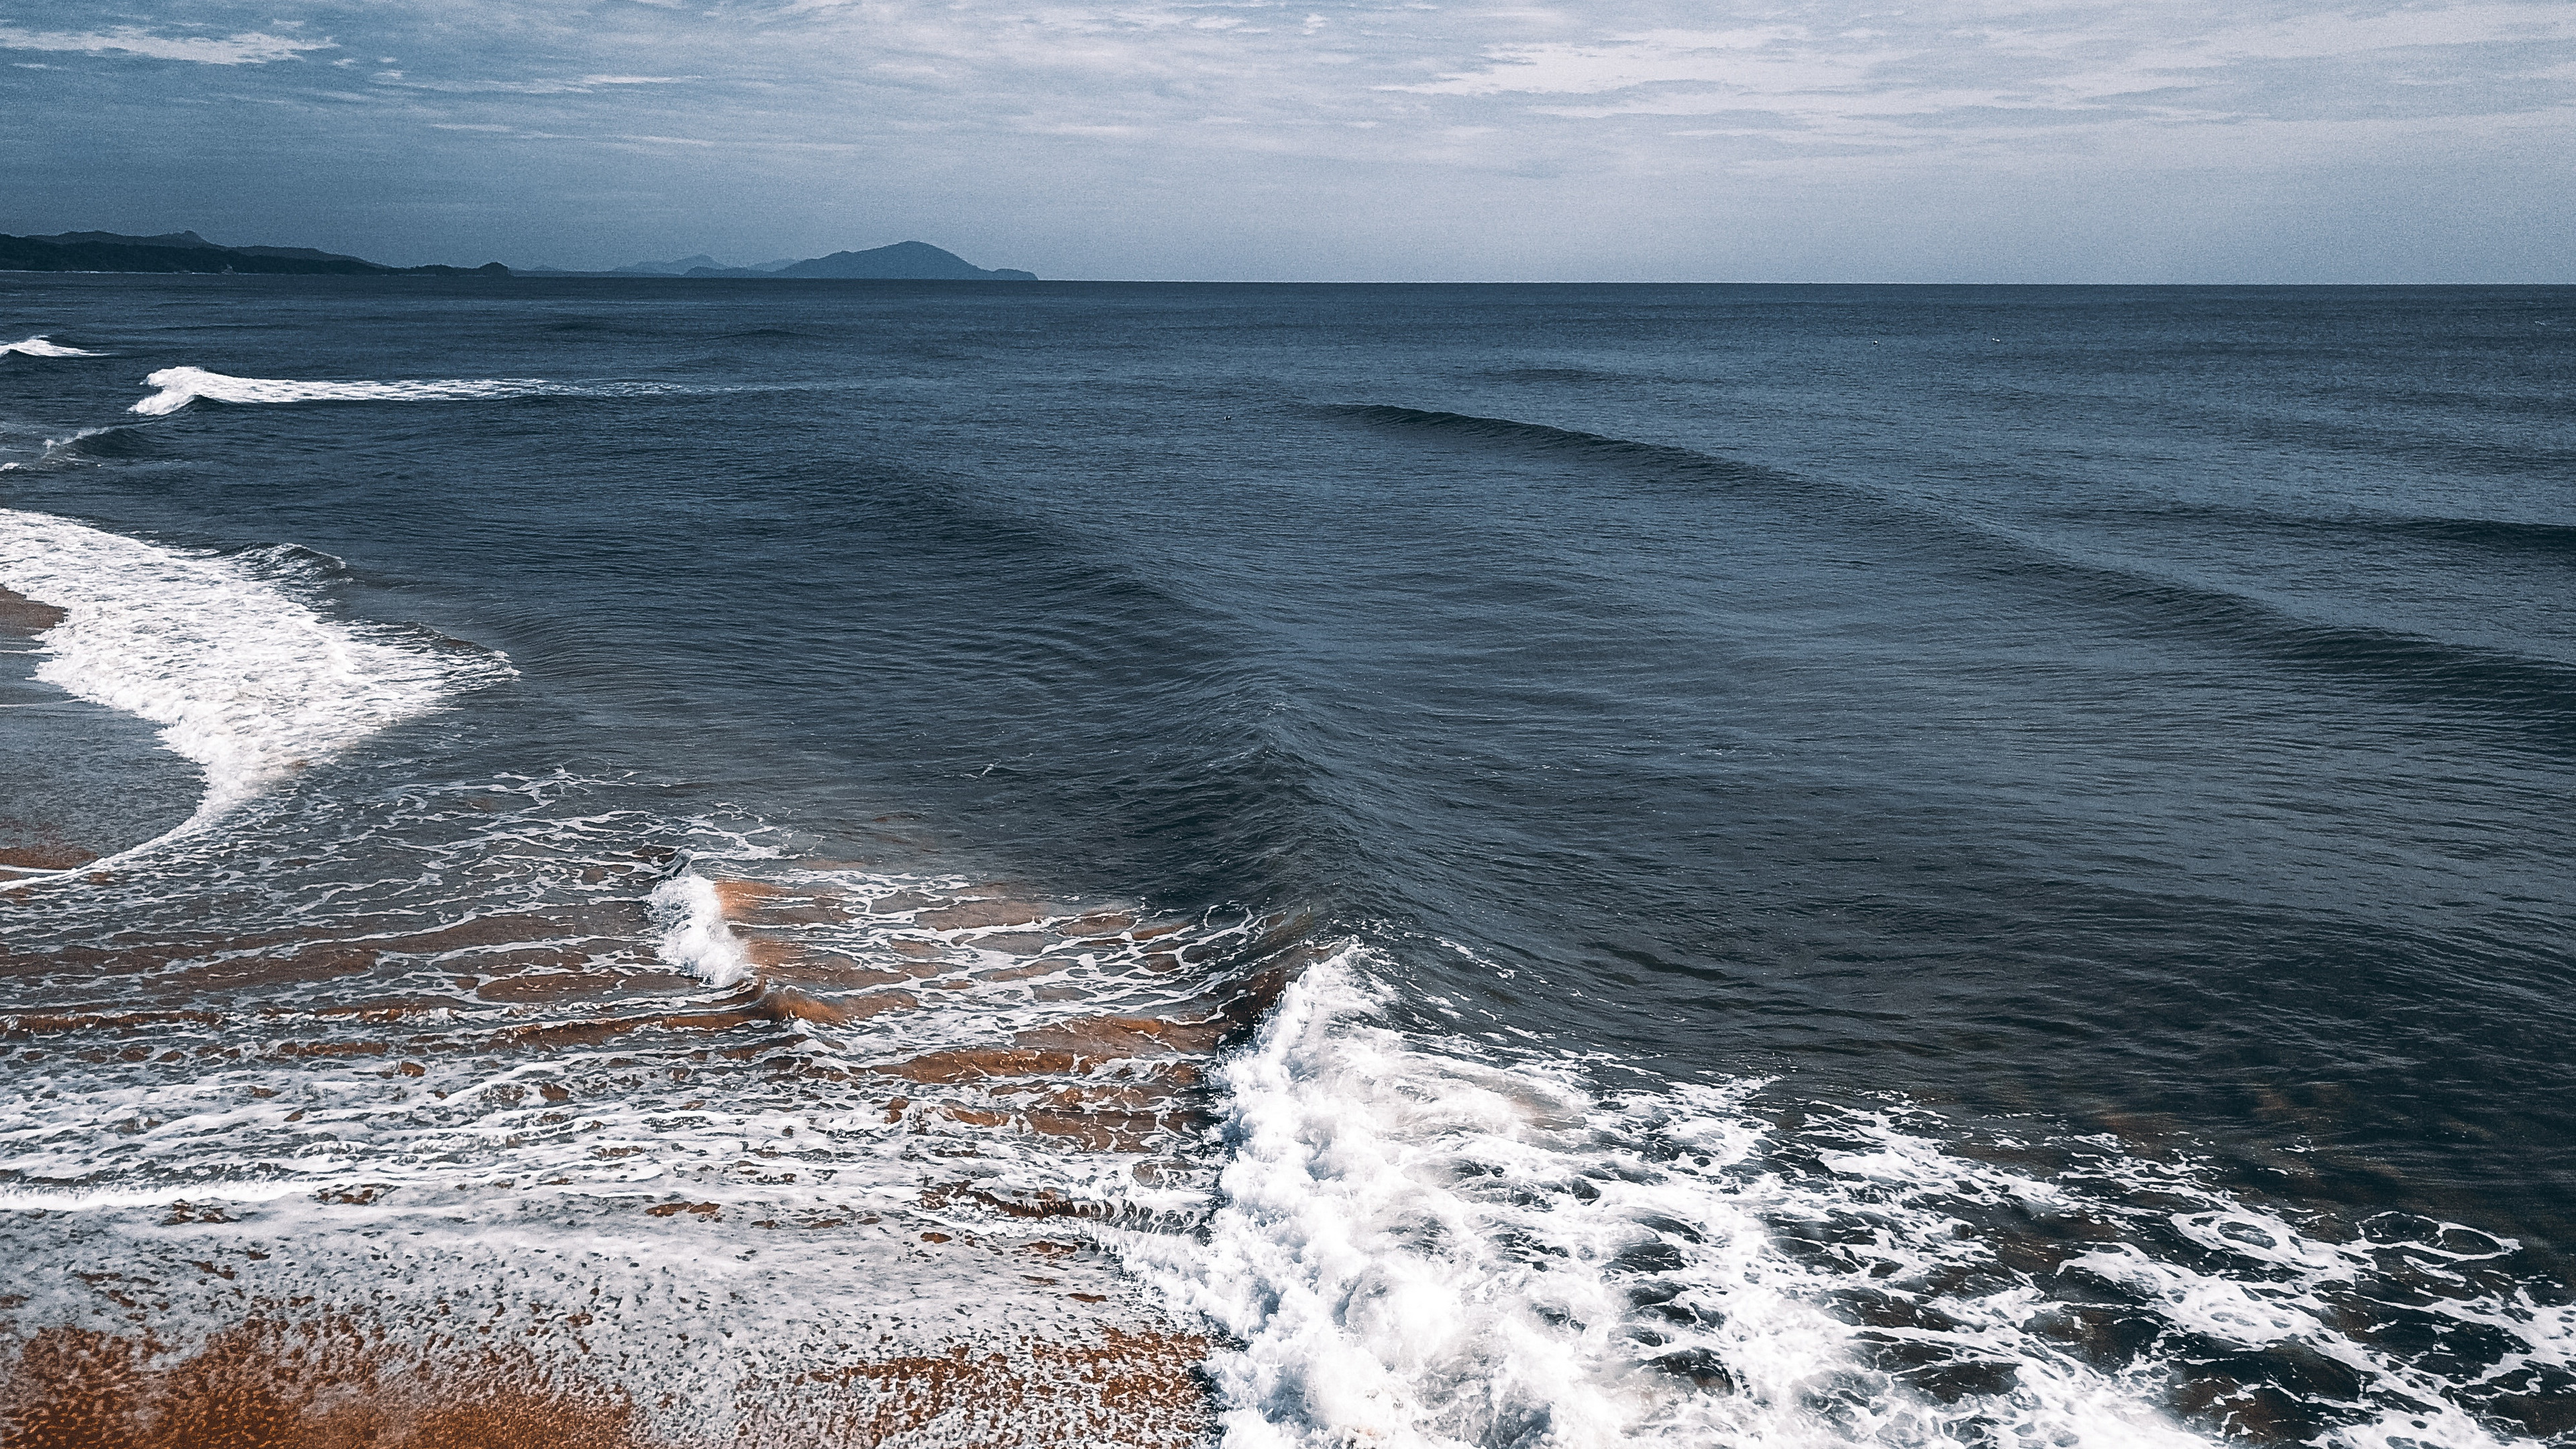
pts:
[38, 346]
[180, 386]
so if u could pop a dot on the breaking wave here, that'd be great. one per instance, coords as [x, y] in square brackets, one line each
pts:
[694, 935]
[180, 386]
[1414, 1248]
[39, 347]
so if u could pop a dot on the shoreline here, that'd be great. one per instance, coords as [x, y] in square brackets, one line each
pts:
[74, 776]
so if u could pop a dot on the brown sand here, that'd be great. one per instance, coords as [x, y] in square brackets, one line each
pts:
[45, 857]
[341, 1384]
[275, 1385]
[24, 617]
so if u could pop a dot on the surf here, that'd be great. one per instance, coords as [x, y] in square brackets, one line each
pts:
[1419, 1243]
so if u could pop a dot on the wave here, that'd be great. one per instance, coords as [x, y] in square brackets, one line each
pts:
[39, 347]
[181, 386]
[2557, 540]
[1416, 1249]
[1553, 375]
[117, 440]
[2522, 693]
[1541, 436]
[2485, 535]
[246, 680]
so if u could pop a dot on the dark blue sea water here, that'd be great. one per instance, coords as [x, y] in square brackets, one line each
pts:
[1759, 864]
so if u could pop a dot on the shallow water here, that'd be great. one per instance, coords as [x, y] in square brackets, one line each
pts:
[1538, 865]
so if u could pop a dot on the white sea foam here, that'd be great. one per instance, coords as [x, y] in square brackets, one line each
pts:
[248, 681]
[39, 347]
[1415, 1249]
[694, 935]
[180, 386]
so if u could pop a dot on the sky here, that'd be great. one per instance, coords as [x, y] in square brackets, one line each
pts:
[1625, 140]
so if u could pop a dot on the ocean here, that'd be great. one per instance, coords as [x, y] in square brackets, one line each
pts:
[676, 863]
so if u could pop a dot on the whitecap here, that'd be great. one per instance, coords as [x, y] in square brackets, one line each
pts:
[38, 346]
[180, 386]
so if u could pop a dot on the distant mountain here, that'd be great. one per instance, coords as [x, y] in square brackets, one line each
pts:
[910, 261]
[185, 251]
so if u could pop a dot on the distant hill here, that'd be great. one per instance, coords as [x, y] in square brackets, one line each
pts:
[185, 251]
[909, 261]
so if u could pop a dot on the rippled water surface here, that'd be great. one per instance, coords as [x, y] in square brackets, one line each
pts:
[780, 863]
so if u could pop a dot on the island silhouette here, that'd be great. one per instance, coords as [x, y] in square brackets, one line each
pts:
[906, 261]
[186, 251]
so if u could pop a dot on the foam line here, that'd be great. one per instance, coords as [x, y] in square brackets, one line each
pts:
[23, 1199]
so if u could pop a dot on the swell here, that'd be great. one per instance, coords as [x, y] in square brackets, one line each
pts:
[2485, 536]
[1542, 438]
[2512, 693]
[1139, 726]
[2450, 453]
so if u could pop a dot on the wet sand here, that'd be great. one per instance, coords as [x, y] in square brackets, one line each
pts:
[24, 618]
[237, 1324]
[77, 781]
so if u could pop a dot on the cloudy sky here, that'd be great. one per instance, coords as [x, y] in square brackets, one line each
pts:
[1829, 140]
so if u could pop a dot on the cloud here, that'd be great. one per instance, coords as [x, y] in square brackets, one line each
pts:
[804, 113]
[2153, 65]
[1635, 60]
[534, 86]
[249, 48]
